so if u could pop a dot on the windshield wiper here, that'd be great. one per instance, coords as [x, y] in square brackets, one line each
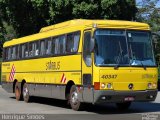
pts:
[134, 58]
[143, 65]
[116, 66]
[119, 56]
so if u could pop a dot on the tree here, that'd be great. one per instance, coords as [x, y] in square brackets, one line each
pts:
[148, 12]
[29, 16]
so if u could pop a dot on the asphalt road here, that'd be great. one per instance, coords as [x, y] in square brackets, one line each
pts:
[52, 109]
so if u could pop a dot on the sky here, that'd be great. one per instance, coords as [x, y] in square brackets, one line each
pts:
[158, 4]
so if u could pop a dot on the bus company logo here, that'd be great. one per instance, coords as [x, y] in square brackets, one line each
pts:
[12, 73]
[63, 79]
[149, 76]
[130, 86]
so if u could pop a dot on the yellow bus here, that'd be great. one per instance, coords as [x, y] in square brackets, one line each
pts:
[83, 61]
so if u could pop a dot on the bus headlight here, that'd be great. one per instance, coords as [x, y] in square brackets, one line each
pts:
[152, 85]
[103, 85]
[109, 85]
[149, 85]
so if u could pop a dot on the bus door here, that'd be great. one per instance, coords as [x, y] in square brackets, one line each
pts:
[87, 68]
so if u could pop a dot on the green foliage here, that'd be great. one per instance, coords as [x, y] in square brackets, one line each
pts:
[28, 16]
[24, 17]
[149, 13]
[85, 10]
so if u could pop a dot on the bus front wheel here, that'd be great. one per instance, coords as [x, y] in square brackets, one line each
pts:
[26, 95]
[73, 99]
[123, 106]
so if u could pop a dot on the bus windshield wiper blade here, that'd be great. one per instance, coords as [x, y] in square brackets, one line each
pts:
[116, 66]
[119, 56]
[143, 65]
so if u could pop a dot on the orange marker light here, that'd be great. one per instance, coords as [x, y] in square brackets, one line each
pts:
[96, 85]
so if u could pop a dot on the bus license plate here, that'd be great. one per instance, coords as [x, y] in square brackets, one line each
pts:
[129, 99]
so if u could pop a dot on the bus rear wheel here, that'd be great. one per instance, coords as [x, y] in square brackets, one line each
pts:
[123, 106]
[17, 92]
[73, 99]
[26, 95]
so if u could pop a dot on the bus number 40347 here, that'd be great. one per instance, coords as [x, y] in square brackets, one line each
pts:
[109, 76]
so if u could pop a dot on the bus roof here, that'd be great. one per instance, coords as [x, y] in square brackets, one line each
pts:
[78, 24]
[108, 23]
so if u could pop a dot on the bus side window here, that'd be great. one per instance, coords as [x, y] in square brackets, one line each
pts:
[36, 46]
[57, 50]
[31, 49]
[24, 50]
[9, 53]
[49, 46]
[76, 41]
[69, 43]
[62, 44]
[19, 52]
[15, 52]
[86, 48]
[72, 42]
[53, 45]
[42, 47]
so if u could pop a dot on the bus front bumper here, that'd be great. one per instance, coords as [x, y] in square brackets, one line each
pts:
[101, 96]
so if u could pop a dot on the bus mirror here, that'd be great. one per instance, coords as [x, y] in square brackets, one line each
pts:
[92, 44]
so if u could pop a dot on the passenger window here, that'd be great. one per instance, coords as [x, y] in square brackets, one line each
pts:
[9, 53]
[49, 46]
[36, 48]
[31, 49]
[42, 48]
[18, 51]
[72, 42]
[86, 48]
[53, 45]
[12, 53]
[62, 44]
[25, 53]
[76, 41]
[15, 52]
[57, 50]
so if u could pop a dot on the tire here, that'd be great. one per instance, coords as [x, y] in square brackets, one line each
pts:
[73, 99]
[17, 92]
[26, 96]
[123, 106]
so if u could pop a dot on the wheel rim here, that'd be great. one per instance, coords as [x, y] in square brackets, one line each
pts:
[74, 97]
[25, 92]
[17, 93]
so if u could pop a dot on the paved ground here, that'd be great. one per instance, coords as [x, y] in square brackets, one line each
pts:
[44, 108]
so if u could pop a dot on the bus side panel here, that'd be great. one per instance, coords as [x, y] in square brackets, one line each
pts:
[46, 77]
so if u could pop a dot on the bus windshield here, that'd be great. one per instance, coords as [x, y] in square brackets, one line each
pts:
[123, 48]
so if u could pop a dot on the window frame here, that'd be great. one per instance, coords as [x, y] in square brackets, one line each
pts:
[84, 59]
[22, 56]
